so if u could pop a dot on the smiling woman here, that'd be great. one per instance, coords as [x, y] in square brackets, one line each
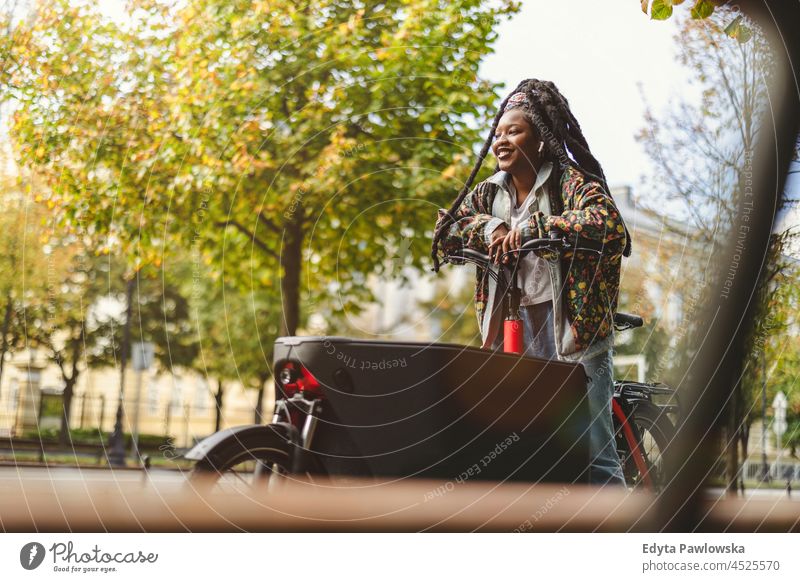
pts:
[567, 306]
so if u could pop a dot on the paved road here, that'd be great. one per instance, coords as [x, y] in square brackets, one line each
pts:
[765, 493]
[162, 480]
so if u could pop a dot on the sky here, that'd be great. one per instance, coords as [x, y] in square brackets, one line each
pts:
[608, 59]
[597, 54]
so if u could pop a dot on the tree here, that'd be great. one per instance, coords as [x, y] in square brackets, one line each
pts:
[24, 265]
[652, 339]
[775, 355]
[701, 147]
[310, 136]
[452, 314]
[772, 347]
[791, 438]
[232, 329]
[13, 44]
[68, 325]
[701, 151]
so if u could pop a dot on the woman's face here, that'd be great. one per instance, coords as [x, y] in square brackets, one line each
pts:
[515, 145]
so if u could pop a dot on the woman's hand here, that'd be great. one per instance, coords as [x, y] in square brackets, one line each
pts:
[496, 246]
[503, 241]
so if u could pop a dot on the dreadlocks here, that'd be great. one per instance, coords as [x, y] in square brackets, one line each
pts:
[550, 115]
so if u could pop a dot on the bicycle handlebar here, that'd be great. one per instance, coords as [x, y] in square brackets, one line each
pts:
[556, 243]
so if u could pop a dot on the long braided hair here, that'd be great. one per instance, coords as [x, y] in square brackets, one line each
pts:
[549, 113]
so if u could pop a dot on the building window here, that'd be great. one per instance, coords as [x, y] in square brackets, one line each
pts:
[152, 396]
[13, 393]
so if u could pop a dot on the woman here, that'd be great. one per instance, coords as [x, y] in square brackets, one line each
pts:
[547, 178]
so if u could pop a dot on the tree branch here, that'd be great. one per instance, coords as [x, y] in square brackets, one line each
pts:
[269, 223]
[257, 241]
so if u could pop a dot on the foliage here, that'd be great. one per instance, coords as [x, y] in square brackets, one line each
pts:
[700, 148]
[160, 313]
[294, 142]
[65, 319]
[774, 359]
[791, 438]
[230, 327]
[451, 313]
[233, 330]
[738, 28]
[27, 262]
[652, 339]
[95, 436]
[701, 151]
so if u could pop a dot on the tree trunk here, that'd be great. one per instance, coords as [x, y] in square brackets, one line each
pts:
[291, 257]
[218, 396]
[744, 435]
[4, 340]
[259, 409]
[66, 408]
[732, 444]
[117, 439]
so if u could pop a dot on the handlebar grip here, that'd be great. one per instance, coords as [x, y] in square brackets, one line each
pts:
[555, 235]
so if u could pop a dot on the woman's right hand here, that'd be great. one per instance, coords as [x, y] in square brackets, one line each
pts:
[496, 246]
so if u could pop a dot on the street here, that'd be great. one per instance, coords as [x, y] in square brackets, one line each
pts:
[170, 480]
[160, 480]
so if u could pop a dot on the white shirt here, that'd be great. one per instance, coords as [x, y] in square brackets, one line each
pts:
[533, 274]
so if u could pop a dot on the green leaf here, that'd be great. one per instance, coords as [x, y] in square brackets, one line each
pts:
[738, 30]
[661, 9]
[191, 111]
[702, 9]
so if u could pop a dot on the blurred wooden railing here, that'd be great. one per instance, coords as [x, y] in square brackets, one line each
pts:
[130, 506]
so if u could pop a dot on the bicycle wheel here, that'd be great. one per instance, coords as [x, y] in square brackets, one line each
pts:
[255, 461]
[656, 432]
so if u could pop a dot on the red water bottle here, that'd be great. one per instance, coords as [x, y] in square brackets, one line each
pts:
[512, 336]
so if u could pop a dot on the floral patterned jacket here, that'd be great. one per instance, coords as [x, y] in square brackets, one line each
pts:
[585, 285]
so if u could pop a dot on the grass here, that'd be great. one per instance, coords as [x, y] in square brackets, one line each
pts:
[87, 461]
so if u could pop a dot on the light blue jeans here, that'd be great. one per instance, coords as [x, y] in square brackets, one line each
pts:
[539, 341]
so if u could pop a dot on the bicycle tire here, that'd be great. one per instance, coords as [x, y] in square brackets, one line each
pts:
[652, 423]
[268, 448]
